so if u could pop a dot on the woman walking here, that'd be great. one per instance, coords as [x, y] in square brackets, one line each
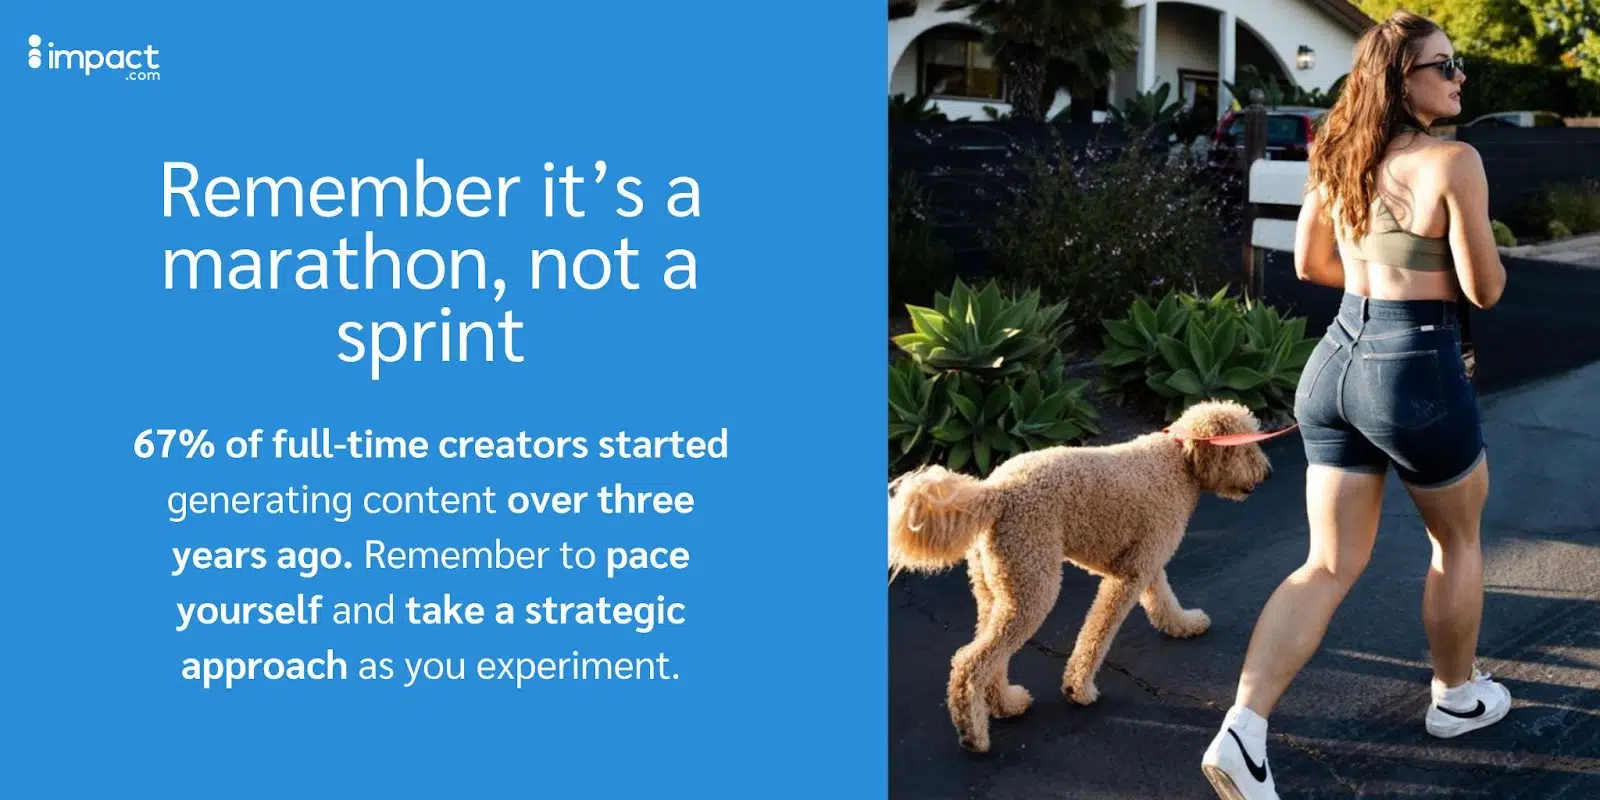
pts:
[1399, 220]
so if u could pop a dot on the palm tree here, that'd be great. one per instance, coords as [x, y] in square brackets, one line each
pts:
[1089, 69]
[1072, 44]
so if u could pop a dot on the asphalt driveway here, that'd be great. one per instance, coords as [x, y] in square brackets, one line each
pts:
[1351, 725]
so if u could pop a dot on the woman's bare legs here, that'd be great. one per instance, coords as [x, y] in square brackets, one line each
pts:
[1452, 599]
[1342, 509]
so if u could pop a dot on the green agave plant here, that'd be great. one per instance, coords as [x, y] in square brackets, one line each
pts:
[1192, 347]
[1130, 344]
[1283, 349]
[917, 405]
[977, 431]
[1144, 110]
[1208, 363]
[1209, 308]
[985, 379]
[970, 422]
[1253, 357]
[1051, 409]
[984, 424]
[984, 333]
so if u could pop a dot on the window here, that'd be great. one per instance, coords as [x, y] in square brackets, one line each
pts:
[1282, 131]
[958, 67]
[1548, 120]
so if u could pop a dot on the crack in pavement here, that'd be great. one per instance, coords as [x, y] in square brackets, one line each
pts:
[1312, 752]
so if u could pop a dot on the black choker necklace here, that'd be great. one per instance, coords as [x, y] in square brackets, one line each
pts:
[1408, 122]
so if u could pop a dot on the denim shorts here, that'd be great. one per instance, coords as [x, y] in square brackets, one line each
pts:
[1385, 386]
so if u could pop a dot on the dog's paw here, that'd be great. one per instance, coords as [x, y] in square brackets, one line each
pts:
[1084, 693]
[1193, 623]
[974, 741]
[1012, 701]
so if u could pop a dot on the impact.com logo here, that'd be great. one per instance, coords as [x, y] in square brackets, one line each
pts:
[137, 65]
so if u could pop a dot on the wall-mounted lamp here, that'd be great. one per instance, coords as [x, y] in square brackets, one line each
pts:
[1305, 58]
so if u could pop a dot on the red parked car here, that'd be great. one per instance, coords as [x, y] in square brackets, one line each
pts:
[1290, 130]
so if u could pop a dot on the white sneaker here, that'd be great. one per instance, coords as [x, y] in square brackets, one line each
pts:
[1234, 772]
[1478, 703]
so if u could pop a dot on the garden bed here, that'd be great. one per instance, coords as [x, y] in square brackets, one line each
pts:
[1117, 423]
[982, 375]
[1104, 310]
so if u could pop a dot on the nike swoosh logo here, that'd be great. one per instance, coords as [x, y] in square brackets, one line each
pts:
[1476, 712]
[1259, 772]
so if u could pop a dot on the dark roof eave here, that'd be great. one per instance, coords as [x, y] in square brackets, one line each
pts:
[1347, 14]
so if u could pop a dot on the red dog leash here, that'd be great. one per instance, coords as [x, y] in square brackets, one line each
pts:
[1228, 439]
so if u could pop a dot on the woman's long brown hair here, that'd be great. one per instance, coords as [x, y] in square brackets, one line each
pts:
[1356, 133]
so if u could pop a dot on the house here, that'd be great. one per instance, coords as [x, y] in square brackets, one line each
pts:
[1309, 43]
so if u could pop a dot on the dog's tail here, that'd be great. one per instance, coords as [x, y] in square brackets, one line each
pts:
[934, 516]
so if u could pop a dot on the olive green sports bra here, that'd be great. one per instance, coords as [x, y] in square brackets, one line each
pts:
[1392, 245]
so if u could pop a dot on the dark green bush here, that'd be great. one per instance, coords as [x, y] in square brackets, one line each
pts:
[920, 264]
[1103, 231]
[1575, 206]
[1505, 86]
[1503, 235]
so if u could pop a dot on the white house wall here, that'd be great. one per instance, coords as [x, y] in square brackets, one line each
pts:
[1187, 36]
[903, 34]
[903, 76]
[1283, 25]
[1182, 42]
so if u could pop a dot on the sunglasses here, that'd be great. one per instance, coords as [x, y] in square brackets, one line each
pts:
[1448, 68]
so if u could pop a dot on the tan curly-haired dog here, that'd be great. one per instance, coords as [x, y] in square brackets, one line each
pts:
[1117, 511]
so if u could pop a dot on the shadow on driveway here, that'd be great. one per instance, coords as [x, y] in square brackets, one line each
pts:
[1351, 725]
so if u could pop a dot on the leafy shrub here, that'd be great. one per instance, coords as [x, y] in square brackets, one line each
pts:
[1503, 237]
[1575, 206]
[1317, 98]
[1559, 229]
[920, 264]
[1585, 94]
[984, 378]
[1249, 77]
[1277, 91]
[915, 108]
[1190, 348]
[1505, 86]
[1103, 231]
[1142, 111]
